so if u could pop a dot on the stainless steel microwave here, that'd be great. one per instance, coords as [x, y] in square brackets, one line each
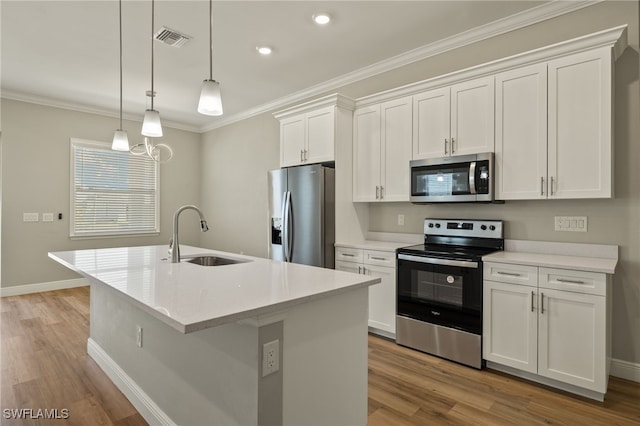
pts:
[463, 178]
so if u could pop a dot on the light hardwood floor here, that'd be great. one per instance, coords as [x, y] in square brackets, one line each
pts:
[44, 364]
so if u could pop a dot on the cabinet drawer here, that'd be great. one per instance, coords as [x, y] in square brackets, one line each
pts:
[575, 281]
[508, 273]
[380, 258]
[348, 254]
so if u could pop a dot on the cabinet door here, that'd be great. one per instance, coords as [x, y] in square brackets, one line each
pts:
[572, 343]
[580, 145]
[292, 134]
[509, 327]
[521, 134]
[382, 299]
[472, 117]
[396, 149]
[431, 124]
[320, 127]
[366, 154]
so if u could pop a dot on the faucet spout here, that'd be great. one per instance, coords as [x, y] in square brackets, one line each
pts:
[174, 245]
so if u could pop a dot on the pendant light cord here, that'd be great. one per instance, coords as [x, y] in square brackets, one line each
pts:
[152, 24]
[210, 39]
[120, 16]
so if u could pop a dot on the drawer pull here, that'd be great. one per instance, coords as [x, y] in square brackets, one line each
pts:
[564, 280]
[511, 274]
[347, 254]
[379, 258]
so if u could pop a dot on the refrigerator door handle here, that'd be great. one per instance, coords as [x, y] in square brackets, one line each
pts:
[283, 232]
[289, 227]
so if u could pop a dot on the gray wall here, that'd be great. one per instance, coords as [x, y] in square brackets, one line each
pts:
[246, 145]
[35, 178]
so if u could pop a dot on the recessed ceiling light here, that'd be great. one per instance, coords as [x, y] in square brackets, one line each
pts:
[264, 50]
[321, 18]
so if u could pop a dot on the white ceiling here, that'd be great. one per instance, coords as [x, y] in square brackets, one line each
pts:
[65, 53]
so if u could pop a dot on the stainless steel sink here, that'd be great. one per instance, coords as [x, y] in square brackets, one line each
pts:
[212, 260]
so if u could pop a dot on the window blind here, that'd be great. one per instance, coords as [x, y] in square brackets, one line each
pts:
[113, 192]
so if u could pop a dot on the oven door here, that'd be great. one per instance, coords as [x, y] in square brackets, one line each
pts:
[441, 291]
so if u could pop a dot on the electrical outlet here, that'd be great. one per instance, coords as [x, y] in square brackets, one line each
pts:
[139, 336]
[270, 357]
[400, 220]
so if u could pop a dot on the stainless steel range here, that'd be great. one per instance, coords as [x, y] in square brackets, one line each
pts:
[439, 309]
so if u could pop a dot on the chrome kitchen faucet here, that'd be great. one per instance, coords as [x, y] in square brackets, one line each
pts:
[174, 245]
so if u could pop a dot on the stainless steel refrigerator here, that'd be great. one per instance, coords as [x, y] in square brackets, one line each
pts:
[302, 215]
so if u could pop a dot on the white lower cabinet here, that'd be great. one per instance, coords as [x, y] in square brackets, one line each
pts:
[382, 297]
[552, 323]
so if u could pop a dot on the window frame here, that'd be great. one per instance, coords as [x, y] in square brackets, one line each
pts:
[73, 234]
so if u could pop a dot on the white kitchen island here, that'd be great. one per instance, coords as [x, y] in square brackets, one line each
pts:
[184, 342]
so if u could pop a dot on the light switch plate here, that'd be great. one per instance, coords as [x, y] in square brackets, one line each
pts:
[570, 223]
[30, 217]
[47, 217]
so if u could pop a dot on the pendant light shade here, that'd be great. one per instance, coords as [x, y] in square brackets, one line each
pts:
[120, 141]
[210, 99]
[151, 125]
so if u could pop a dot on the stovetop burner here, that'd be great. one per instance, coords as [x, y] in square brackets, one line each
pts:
[462, 239]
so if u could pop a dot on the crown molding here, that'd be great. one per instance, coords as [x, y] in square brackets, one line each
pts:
[501, 26]
[55, 103]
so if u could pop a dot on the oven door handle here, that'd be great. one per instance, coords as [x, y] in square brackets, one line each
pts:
[438, 261]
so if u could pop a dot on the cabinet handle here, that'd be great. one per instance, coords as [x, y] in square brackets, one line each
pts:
[301, 157]
[446, 150]
[511, 274]
[551, 186]
[364, 271]
[377, 192]
[542, 303]
[564, 280]
[359, 269]
[306, 157]
[532, 296]
[541, 185]
[348, 254]
[378, 258]
[381, 192]
[453, 147]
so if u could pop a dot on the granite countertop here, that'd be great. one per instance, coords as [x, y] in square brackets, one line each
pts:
[191, 297]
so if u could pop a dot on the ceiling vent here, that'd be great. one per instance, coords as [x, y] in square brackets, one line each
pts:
[171, 37]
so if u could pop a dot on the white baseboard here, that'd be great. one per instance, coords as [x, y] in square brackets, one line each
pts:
[140, 400]
[40, 287]
[625, 370]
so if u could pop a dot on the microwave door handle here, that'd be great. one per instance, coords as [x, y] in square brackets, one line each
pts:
[472, 178]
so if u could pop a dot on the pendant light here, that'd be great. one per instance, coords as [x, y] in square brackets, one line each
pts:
[210, 98]
[120, 138]
[151, 125]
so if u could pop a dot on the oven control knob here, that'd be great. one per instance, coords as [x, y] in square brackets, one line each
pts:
[431, 225]
[483, 227]
[492, 228]
[437, 225]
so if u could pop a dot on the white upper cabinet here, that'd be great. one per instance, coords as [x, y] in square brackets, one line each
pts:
[568, 156]
[580, 111]
[382, 151]
[308, 131]
[455, 120]
[521, 133]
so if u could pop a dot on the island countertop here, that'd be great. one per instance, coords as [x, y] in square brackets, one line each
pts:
[190, 297]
